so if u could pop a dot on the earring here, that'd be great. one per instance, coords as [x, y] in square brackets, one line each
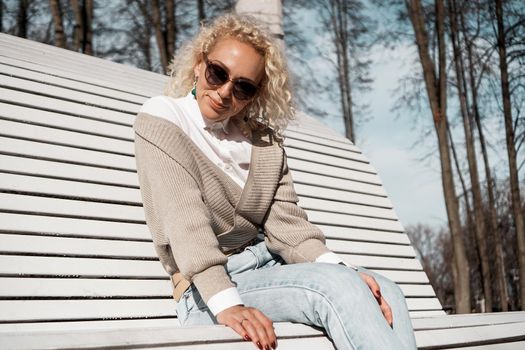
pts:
[194, 89]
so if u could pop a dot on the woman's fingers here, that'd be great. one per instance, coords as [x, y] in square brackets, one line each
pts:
[251, 324]
[267, 326]
[376, 291]
[387, 311]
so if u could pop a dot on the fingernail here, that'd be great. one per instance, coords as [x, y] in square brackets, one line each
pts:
[273, 345]
[246, 337]
[259, 345]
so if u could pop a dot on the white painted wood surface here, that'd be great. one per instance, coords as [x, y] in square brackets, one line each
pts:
[76, 256]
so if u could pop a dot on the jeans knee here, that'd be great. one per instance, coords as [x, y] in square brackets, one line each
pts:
[336, 280]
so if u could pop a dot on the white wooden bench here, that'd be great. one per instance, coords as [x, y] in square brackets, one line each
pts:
[77, 266]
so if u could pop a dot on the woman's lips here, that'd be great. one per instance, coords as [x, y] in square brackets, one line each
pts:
[216, 105]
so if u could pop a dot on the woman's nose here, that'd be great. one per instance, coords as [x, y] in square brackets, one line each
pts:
[225, 91]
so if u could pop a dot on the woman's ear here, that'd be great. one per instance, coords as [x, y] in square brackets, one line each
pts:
[198, 66]
[196, 69]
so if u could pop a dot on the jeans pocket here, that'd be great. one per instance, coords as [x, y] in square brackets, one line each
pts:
[183, 307]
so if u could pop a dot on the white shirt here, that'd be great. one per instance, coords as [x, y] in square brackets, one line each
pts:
[224, 145]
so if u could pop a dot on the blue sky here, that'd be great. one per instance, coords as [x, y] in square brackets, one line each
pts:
[393, 143]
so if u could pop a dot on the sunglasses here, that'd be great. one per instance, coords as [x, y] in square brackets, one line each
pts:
[215, 74]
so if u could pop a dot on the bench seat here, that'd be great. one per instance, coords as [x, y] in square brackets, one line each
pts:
[77, 264]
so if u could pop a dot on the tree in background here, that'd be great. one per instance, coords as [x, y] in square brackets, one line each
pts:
[346, 27]
[436, 85]
[502, 45]
[468, 124]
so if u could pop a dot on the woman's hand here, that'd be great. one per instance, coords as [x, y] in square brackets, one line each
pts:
[251, 324]
[374, 287]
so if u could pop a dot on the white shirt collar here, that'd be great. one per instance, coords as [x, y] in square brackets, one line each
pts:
[214, 127]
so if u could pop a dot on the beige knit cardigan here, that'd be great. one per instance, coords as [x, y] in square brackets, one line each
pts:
[197, 214]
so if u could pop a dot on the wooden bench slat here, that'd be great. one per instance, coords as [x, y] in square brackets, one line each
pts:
[20, 70]
[11, 287]
[103, 192]
[12, 265]
[379, 262]
[335, 142]
[66, 137]
[80, 208]
[34, 149]
[358, 234]
[57, 105]
[43, 310]
[462, 337]
[66, 188]
[85, 309]
[426, 313]
[346, 208]
[303, 177]
[26, 265]
[44, 245]
[12, 222]
[69, 207]
[55, 245]
[333, 171]
[415, 304]
[329, 160]
[467, 320]
[84, 173]
[400, 276]
[342, 196]
[143, 81]
[518, 345]
[326, 218]
[65, 121]
[322, 149]
[165, 337]
[114, 89]
[82, 287]
[50, 89]
[371, 248]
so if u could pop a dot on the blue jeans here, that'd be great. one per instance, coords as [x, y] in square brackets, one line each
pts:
[330, 296]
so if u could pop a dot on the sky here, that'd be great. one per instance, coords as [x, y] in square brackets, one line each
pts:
[407, 165]
[393, 144]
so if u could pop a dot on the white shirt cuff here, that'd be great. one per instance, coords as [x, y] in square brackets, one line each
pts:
[333, 258]
[223, 300]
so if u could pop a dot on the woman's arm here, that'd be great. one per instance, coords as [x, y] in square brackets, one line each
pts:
[288, 231]
[178, 219]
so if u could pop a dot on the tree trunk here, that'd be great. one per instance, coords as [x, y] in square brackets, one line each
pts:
[201, 11]
[511, 150]
[159, 34]
[340, 29]
[494, 234]
[471, 157]
[78, 27]
[56, 11]
[87, 34]
[170, 28]
[22, 21]
[1, 16]
[436, 90]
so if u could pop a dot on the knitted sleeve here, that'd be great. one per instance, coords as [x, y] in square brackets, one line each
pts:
[288, 231]
[179, 220]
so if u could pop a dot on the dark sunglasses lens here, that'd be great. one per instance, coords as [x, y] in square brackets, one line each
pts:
[244, 90]
[215, 74]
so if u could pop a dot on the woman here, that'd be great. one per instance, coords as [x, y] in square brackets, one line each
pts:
[221, 207]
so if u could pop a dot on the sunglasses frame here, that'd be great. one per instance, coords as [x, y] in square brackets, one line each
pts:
[236, 82]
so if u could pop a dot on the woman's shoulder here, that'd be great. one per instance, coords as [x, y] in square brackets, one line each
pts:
[165, 107]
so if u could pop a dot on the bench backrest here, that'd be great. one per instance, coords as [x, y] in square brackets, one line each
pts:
[74, 245]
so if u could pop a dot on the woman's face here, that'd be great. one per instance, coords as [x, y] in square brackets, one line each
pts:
[239, 60]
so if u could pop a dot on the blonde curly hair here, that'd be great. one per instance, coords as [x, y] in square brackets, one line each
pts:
[272, 106]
